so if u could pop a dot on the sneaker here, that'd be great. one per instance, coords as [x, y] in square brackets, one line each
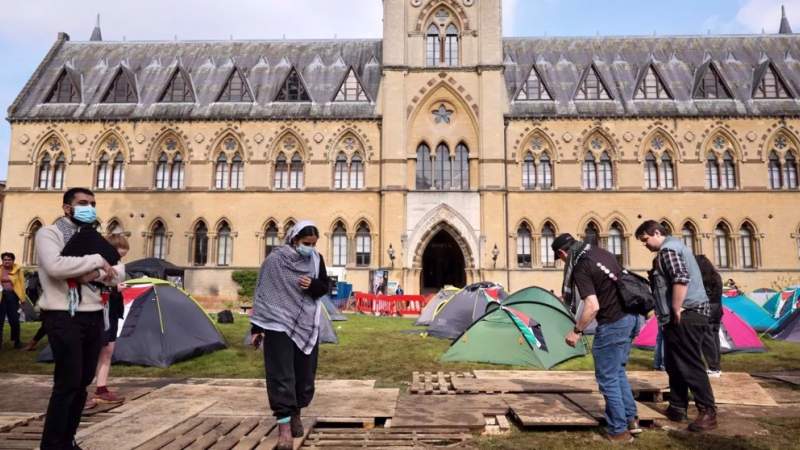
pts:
[108, 397]
[714, 373]
[623, 438]
[90, 403]
[633, 427]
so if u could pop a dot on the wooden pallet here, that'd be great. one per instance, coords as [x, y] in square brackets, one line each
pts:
[435, 383]
[378, 438]
[223, 433]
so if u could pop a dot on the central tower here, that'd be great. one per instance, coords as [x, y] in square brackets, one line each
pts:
[442, 101]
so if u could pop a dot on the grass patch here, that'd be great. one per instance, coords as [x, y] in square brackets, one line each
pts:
[371, 348]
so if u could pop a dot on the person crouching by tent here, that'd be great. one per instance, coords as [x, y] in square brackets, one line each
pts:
[13, 283]
[114, 311]
[286, 316]
[589, 275]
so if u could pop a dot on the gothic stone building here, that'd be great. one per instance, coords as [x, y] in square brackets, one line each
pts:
[443, 152]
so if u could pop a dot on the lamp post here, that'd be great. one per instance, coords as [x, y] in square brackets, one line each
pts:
[495, 254]
[390, 251]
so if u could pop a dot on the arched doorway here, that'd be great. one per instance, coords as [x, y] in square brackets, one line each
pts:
[442, 264]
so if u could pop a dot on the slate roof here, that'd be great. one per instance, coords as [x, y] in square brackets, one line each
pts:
[323, 65]
[679, 61]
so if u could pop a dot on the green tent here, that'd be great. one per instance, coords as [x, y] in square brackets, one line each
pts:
[528, 329]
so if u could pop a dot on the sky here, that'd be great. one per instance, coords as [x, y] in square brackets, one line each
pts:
[28, 28]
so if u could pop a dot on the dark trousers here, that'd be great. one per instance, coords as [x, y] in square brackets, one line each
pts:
[711, 351]
[684, 361]
[76, 343]
[290, 374]
[9, 307]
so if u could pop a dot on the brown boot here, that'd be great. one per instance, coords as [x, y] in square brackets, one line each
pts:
[297, 426]
[285, 440]
[705, 421]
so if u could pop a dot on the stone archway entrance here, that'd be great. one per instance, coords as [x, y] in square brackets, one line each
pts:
[442, 263]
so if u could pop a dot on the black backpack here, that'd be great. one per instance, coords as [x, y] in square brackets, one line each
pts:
[633, 289]
[225, 316]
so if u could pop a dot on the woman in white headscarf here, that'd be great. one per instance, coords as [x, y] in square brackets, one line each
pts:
[286, 315]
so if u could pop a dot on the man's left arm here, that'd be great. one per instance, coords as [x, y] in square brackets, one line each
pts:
[678, 275]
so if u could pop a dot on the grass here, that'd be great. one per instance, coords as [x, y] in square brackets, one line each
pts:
[380, 348]
[370, 348]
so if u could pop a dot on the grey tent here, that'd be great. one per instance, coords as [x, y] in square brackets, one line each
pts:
[155, 268]
[162, 325]
[435, 305]
[333, 312]
[789, 328]
[465, 308]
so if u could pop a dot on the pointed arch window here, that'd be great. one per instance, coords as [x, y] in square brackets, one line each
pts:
[45, 166]
[176, 172]
[534, 88]
[281, 172]
[432, 45]
[356, 172]
[235, 89]
[592, 86]
[162, 172]
[118, 172]
[589, 172]
[424, 170]
[461, 168]
[728, 171]
[689, 237]
[271, 240]
[363, 245]
[544, 172]
[650, 171]
[65, 90]
[667, 227]
[528, 172]
[31, 258]
[158, 249]
[712, 171]
[591, 234]
[774, 166]
[179, 89]
[122, 89]
[224, 244]
[351, 90]
[443, 178]
[103, 172]
[790, 170]
[711, 85]
[442, 43]
[114, 227]
[667, 172]
[296, 172]
[771, 85]
[293, 89]
[524, 246]
[221, 172]
[651, 87]
[606, 172]
[722, 246]
[451, 46]
[287, 227]
[58, 171]
[546, 254]
[616, 242]
[339, 245]
[747, 256]
[340, 172]
[237, 172]
[200, 244]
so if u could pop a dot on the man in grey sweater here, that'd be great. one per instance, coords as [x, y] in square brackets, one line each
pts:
[75, 331]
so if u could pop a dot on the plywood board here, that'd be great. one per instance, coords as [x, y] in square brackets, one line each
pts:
[10, 420]
[521, 385]
[786, 377]
[426, 411]
[740, 389]
[354, 402]
[546, 410]
[594, 404]
[139, 425]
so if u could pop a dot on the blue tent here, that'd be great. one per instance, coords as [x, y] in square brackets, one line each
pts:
[781, 305]
[755, 316]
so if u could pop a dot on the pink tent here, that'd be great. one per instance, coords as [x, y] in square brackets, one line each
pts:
[735, 335]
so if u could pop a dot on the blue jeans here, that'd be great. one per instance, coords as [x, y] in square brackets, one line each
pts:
[612, 345]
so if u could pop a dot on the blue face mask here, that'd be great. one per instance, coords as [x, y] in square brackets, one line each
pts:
[305, 250]
[84, 213]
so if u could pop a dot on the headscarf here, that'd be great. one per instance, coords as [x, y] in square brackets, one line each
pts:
[294, 231]
[569, 291]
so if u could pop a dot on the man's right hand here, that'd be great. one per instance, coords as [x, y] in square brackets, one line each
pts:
[255, 339]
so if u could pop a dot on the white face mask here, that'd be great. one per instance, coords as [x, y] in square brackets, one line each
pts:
[305, 250]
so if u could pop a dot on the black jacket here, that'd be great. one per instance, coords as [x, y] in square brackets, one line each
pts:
[712, 282]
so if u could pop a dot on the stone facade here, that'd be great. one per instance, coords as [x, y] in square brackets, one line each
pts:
[492, 222]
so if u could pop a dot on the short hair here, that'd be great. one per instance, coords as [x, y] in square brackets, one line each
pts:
[310, 230]
[119, 241]
[8, 255]
[649, 227]
[69, 196]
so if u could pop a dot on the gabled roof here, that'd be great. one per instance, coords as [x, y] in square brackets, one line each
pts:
[533, 76]
[709, 67]
[68, 79]
[759, 74]
[640, 88]
[170, 86]
[123, 78]
[591, 74]
[236, 81]
[302, 93]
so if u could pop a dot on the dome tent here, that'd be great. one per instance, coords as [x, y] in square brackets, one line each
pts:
[467, 306]
[755, 316]
[435, 305]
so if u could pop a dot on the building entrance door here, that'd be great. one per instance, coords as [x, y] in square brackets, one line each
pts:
[442, 264]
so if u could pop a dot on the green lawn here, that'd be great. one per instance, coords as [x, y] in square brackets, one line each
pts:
[370, 348]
